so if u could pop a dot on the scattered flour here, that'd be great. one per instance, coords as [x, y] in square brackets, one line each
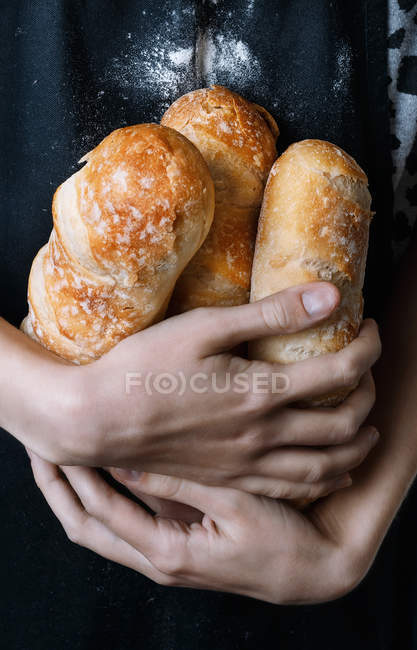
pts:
[159, 70]
[157, 62]
[220, 58]
[181, 57]
[343, 68]
[165, 67]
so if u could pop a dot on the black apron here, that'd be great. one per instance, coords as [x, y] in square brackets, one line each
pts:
[71, 72]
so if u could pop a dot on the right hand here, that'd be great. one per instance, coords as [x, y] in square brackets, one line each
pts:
[252, 440]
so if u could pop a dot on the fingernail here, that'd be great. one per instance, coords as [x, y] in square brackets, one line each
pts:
[128, 474]
[374, 435]
[343, 481]
[319, 301]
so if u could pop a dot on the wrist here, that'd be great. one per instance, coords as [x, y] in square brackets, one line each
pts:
[119, 428]
[77, 422]
[45, 402]
[60, 408]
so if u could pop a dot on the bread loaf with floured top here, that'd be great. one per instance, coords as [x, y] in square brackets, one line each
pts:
[125, 226]
[314, 225]
[237, 140]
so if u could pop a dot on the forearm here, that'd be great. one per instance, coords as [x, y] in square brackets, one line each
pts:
[35, 390]
[395, 412]
[394, 465]
[381, 483]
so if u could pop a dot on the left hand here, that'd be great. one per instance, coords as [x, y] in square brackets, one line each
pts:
[298, 558]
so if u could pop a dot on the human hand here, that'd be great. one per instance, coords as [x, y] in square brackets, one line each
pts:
[250, 439]
[360, 446]
[298, 558]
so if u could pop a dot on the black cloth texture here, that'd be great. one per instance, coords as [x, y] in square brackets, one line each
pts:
[57, 101]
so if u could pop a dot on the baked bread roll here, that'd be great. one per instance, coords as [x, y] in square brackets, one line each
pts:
[237, 140]
[314, 225]
[125, 226]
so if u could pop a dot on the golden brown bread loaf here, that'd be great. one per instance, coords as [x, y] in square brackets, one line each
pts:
[314, 225]
[125, 226]
[237, 140]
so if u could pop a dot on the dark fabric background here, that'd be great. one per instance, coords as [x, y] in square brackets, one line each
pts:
[56, 103]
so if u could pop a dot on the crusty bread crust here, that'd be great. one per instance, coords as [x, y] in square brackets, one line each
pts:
[125, 226]
[314, 225]
[237, 140]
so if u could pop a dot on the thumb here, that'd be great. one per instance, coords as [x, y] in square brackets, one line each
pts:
[291, 310]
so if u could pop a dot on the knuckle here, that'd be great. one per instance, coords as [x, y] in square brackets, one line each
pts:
[205, 319]
[171, 563]
[347, 426]
[318, 468]
[281, 491]
[99, 504]
[256, 402]
[313, 473]
[361, 451]
[74, 534]
[252, 442]
[94, 503]
[315, 491]
[275, 315]
[166, 580]
[170, 486]
[91, 506]
[198, 316]
[349, 371]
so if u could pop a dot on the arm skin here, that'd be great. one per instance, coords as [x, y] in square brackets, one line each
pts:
[39, 394]
[381, 484]
[84, 415]
[308, 557]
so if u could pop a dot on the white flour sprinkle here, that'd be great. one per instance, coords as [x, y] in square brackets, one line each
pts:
[343, 68]
[162, 70]
[221, 58]
[159, 70]
[181, 57]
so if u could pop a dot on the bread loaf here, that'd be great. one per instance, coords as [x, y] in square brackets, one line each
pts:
[125, 226]
[237, 140]
[314, 225]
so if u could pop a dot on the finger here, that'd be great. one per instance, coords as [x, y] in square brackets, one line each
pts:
[172, 509]
[331, 372]
[324, 426]
[126, 519]
[162, 507]
[281, 489]
[82, 528]
[308, 465]
[218, 503]
[287, 311]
